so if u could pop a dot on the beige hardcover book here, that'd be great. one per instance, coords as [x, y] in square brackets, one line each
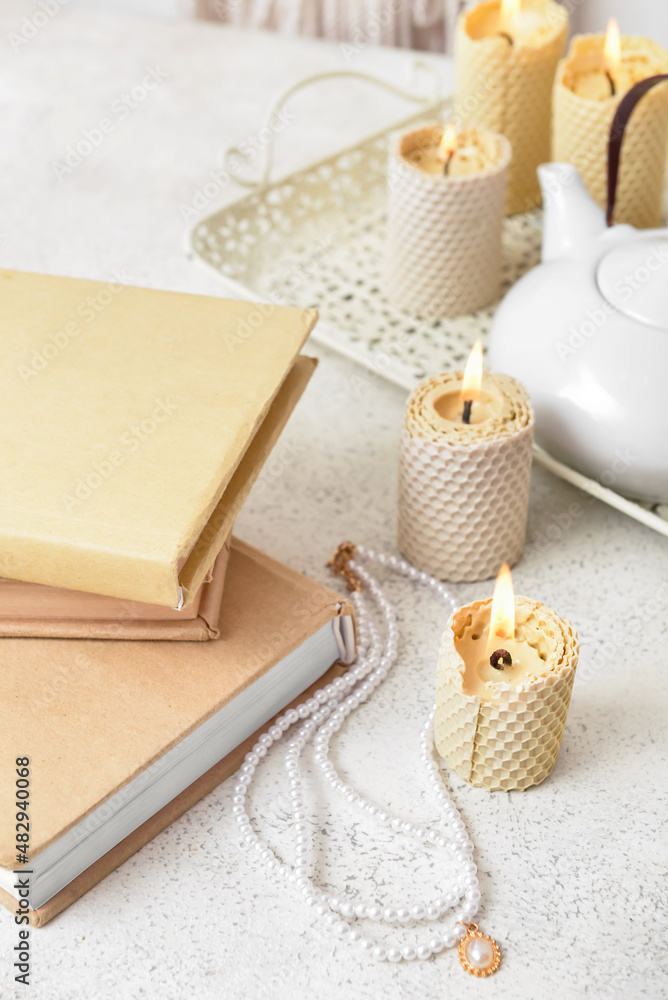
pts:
[95, 716]
[126, 413]
[28, 609]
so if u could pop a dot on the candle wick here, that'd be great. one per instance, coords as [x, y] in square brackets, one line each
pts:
[509, 38]
[448, 160]
[500, 657]
[613, 89]
[466, 413]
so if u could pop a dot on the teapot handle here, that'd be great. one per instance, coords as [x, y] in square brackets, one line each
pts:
[619, 123]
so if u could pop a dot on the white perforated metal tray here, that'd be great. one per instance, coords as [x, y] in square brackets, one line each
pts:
[316, 239]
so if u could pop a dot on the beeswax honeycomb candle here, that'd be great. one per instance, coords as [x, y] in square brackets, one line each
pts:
[464, 488]
[445, 218]
[501, 729]
[506, 55]
[583, 109]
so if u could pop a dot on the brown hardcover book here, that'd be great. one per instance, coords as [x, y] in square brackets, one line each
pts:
[127, 709]
[31, 610]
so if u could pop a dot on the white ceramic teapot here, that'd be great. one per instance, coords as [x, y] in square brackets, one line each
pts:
[587, 333]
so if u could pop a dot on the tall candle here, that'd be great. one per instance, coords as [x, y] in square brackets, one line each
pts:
[589, 85]
[464, 485]
[503, 688]
[506, 54]
[445, 219]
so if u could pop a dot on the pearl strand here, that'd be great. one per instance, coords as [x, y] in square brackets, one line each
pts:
[321, 716]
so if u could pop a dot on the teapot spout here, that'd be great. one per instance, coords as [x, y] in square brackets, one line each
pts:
[570, 214]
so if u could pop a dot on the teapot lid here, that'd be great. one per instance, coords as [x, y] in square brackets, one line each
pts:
[633, 277]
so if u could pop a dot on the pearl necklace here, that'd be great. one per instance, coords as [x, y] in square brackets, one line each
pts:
[323, 715]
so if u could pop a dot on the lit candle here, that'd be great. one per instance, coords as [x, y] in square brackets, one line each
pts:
[447, 148]
[589, 85]
[456, 405]
[504, 680]
[612, 57]
[446, 194]
[471, 383]
[453, 155]
[506, 54]
[464, 470]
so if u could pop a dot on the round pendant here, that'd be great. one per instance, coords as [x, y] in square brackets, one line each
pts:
[479, 954]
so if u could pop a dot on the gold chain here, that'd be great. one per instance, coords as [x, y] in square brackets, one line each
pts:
[339, 565]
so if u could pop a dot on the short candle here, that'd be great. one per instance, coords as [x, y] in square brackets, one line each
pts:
[528, 646]
[495, 409]
[488, 406]
[600, 68]
[451, 154]
[456, 406]
[501, 729]
[464, 483]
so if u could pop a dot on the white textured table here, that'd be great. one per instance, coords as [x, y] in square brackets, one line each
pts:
[570, 872]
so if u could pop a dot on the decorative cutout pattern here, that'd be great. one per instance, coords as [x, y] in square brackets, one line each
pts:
[317, 239]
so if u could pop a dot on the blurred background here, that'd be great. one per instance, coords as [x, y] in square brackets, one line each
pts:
[420, 24]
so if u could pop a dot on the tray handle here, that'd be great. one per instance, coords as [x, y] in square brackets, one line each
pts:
[417, 67]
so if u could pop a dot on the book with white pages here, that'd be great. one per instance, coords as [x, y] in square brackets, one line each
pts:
[123, 737]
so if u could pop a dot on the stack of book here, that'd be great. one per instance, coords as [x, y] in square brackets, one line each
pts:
[142, 645]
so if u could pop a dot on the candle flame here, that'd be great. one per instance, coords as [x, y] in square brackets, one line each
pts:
[473, 374]
[510, 9]
[448, 143]
[612, 48]
[502, 623]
